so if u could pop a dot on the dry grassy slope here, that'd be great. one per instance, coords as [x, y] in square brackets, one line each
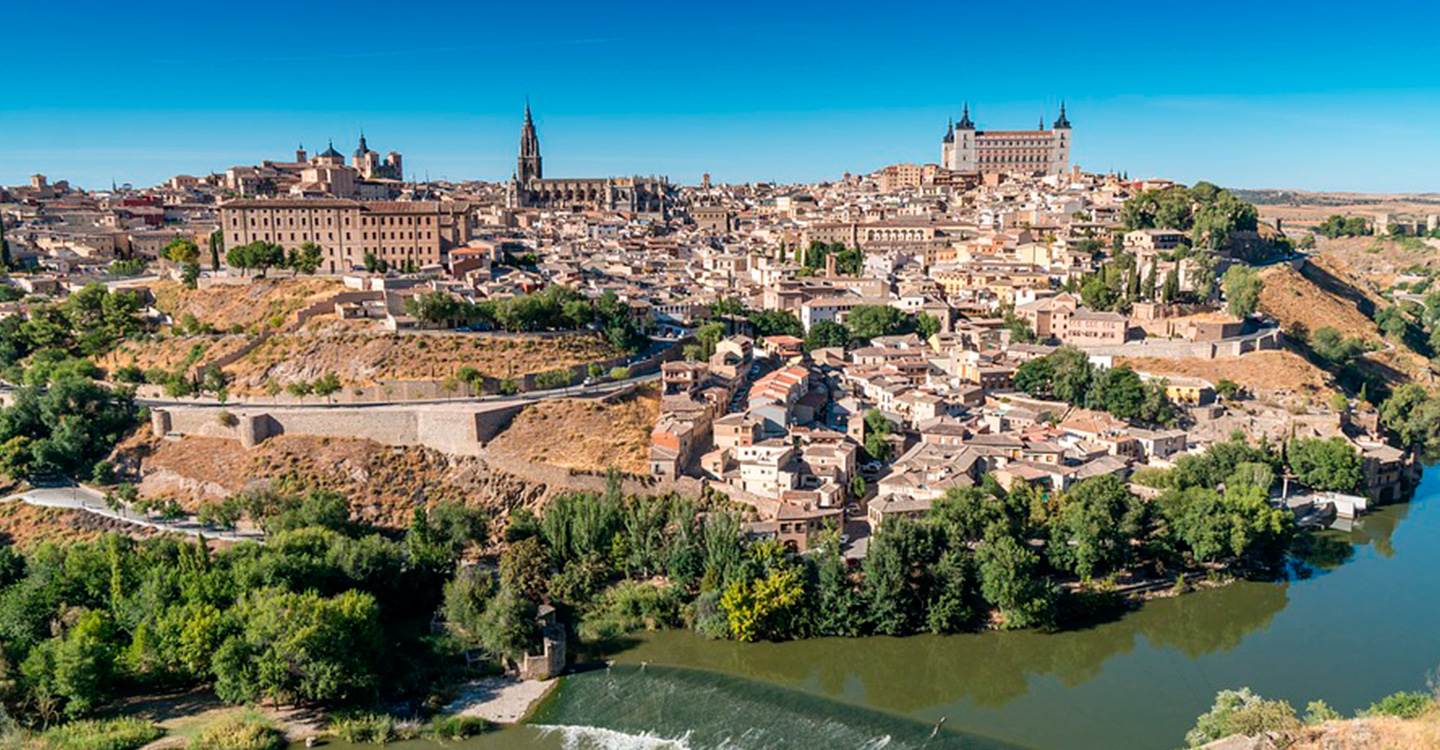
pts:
[584, 434]
[1377, 260]
[267, 302]
[1324, 295]
[1260, 371]
[26, 526]
[364, 357]
[170, 352]
[384, 483]
[1373, 734]
[1330, 293]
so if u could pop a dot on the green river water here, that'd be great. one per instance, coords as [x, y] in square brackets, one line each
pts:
[1358, 620]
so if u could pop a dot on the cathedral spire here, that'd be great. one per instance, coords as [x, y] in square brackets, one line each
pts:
[529, 162]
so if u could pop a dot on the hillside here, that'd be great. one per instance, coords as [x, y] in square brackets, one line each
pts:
[383, 483]
[1322, 295]
[265, 302]
[1381, 733]
[25, 525]
[364, 357]
[1270, 372]
[584, 434]
[361, 358]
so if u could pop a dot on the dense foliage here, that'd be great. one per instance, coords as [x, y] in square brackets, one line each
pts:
[1067, 375]
[866, 322]
[327, 611]
[1336, 225]
[65, 428]
[1210, 215]
[89, 322]
[554, 308]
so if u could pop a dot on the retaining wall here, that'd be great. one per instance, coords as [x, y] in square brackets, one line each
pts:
[457, 430]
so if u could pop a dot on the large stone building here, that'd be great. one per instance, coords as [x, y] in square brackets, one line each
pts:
[324, 175]
[965, 149]
[529, 188]
[398, 232]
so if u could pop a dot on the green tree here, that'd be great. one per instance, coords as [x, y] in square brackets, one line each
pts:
[872, 321]
[926, 326]
[182, 251]
[763, 607]
[78, 668]
[709, 335]
[1242, 290]
[1326, 464]
[1091, 529]
[826, 333]
[1011, 582]
[217, 247]
[305, 259]
[190, 275]
[294, 647]
[955, 603]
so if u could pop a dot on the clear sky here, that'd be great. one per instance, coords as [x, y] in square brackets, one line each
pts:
[1312, 95]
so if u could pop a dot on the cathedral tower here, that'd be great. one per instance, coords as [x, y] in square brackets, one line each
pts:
[529, 165]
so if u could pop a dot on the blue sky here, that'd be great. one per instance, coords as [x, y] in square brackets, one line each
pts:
[1256, 94]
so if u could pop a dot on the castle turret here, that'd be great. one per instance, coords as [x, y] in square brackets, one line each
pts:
[961, 147]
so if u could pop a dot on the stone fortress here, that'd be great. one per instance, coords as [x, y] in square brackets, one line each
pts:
[1044, 151]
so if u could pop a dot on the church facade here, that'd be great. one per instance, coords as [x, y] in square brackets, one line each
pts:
[1039, 151]
[530, 188]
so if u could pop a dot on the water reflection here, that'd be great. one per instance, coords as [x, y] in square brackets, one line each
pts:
[909, 675]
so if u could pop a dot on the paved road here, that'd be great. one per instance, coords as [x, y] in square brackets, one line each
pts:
[90, 501]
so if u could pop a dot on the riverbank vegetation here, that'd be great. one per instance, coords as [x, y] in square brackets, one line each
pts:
[981, 557]
[1396, 721]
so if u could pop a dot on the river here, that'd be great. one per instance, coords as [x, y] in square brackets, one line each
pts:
[1358, 620]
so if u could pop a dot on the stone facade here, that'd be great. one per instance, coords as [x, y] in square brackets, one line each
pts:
[1039, 151]
[398, 232]
[531, 189]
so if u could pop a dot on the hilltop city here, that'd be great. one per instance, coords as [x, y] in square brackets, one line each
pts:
[1076, 383]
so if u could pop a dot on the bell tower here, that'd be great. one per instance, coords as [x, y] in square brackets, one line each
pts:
[528, 167]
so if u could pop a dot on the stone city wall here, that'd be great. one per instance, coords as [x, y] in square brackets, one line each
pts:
[456, 430]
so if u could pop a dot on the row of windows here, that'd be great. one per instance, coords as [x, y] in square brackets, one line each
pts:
[235, 237]
[365, 220]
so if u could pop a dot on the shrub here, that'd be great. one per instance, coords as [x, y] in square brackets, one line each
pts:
[101, 734]
[1319, 712]
[239, 733]
[619, 373]
[226, 419]
[1241, 712]
[373, 729]
[1401, 705]
[457, 727]
[629, 606]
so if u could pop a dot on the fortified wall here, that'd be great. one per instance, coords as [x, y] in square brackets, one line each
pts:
[456, 429]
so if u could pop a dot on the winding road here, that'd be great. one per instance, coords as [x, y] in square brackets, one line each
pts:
[76, 497]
